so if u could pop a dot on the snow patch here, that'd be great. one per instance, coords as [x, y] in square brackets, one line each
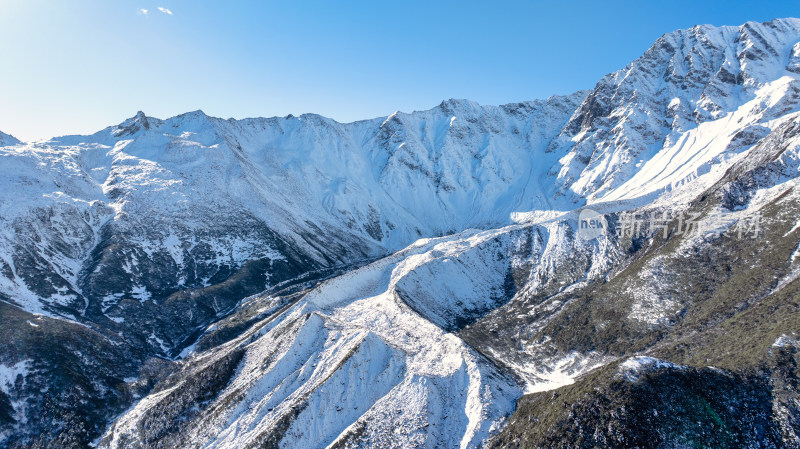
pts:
[10, 374]
[632, 368]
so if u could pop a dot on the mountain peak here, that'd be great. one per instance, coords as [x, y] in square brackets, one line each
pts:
[193, 119]
[180, 238]
[457, 104]
[8, 139]
[132, 125]
[197, 113]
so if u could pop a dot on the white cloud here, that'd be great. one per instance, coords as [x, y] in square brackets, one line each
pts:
[142, 11]
[164, 10]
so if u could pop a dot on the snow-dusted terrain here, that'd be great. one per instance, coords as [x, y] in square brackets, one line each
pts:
[352, 361]
[152, 231]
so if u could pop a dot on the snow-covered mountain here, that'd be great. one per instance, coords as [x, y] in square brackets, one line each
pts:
[334, 192]
[6, 139]
[300, 282]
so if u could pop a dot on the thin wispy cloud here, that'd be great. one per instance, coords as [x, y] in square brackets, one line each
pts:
[164, 10]
[142, 11]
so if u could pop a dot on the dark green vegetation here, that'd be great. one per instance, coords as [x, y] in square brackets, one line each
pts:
[667, 407]
[148, 238]
[81, 376]
[163, 424]
[731, 300]
[77, 378]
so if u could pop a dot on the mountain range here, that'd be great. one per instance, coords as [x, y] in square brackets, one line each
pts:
[423, 279]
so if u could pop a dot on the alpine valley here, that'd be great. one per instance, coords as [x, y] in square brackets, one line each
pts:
[420, 280]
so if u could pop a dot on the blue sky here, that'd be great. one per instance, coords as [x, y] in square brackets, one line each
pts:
[78, 66]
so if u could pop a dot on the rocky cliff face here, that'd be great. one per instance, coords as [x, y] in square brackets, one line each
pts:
[300, 282]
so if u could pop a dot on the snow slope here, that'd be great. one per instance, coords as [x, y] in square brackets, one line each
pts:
[154, 229]
[352, 362]
[742, 78]
[335, 192]
[6, 139]
[670, 122]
